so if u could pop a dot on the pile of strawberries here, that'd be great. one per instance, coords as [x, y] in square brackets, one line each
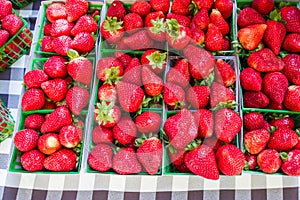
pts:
[10, 26]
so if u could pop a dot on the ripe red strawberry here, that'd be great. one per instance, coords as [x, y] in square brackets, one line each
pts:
[55, 67]
[178, 36]
[148, 122]
[154, 22]
[160, 5]
[226, 44]
[130, 96]
[269, 161]
[291, 15]
[107, 92]
[204, 4]
[225, 7]
[70, 136]
[292, 98]
[59, 118]
[125, 162]
[5, 9]
[26, 139]
[149, 153]
[62, 44]
[285, 121]
[205, 121]
[4, 36]
[139, 40]
[33, 99]
[49, 143]
[230, 159]
[116, 9]
[34, 121]
[49, 105]
[198, 36]
[56, 11]
[107, 114]
[12, 23]
[224, 73]
[153, 84]
[85, 23]
[75, 9]
[100, 158]
[55, 89]
[201, 20]
[47, 29]
[83, 42]
[102, 135]
[255, 141]
[32, 160]
[35, 78]
[142, 8]
[156, 59]
[265, 60]
[132, 23]
[77, 99]
[133, 72]
[61, 27]
[283, 139]
[47, 45]
[251, 162]
[180, 7]
[177, 159]
[61, 161]
[249, 16]
[251, 36]
[179, 74]
[227, 124]
[264, 7]
[219, 93]
[274, 35]
[81, 70]
[276, 106]
[201, 161]
[125, 131]
[253, 121]
[213, 143]
[112, 30]
[291, 43]
[202, 62]
[198, 96]
[109, 70]
[250, 79]
[181, 19]
[181, 129]
[217, 19]
[254, 99]
[124, 58]
[290, 70]
[290, 165]
[174, 95]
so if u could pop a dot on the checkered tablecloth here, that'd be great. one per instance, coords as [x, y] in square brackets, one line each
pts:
[99, 186]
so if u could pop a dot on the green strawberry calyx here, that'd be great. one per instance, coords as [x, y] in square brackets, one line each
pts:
[231, 104]
[157, 59]
[72, 54]
[139, 141]
[112, 25]
[158, 26]
[276, 16]
[284, 156]
[193, 145]
[103, 112]
[172, 28]
[193, 8]
[112, 75]
[207, 81]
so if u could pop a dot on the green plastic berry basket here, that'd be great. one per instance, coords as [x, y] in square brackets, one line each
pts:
[22, 3]
[16, 46]
[93, 6]
[7, 122]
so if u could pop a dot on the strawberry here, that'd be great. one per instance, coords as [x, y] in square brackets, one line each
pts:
[56, 11]
[116, 9]
[34, 121]
[198, 36]
[132, 23]
[226, 44]
[109, 70]
[4, 36]
[47, 29]
[124, 58]
[107, 114]
[201, 20]
[292, 98]
[181, 129]
[12, 23]
[59, 118]
[274, 35]
[112, 30]
[198, 96]
[33, 99]
[253, 121]
[213, 143]
[149, 153]
[75, 9]
[177, 159]
[276, 106]
[249, 16]
[62, 44]
[148, 122]
[55, 89]
[174, 95]
[290, 70]
[285, 121]
[290, 165]
[219, 93]
[291, 43]
[32, 160]
[205, 120]
[202, 62]
[35, 78]
[180, 7]
[265, 60]
[153, 84]
[130, 96]
[61, 27]
[100, 158]
[154, 22]
[47, 45]
[81, 70]
[255, 99]
[269, 161]
[227, 124]
[225, 7]
[83, 42]
[160, 5]
[255, 141]
[85, 23]
[125, 131]
[178, 36]
[156, 59]
[251, 36]
[49, 143]
[224, 73]
[61, 161]
[142, 8]
[179, 74]
[264, 7]
[49, 105]
[125, 162]
[251, 162]
[55, 67]
[201, 161]
[230, 159]
[107, 92]
[5, 9]
[133, 72]
[77, 99]
[217, 19]
[291, 15]
[139, 40]
[283, 139]
[70, 136]
[102, 135]
[26, 139]
[181, 19]
[250, 79]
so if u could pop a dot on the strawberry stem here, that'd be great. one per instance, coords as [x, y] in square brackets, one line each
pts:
[283, 156]
[157, 59]
[103, 112]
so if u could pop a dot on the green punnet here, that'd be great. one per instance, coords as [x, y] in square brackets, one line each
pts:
[6, 122]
